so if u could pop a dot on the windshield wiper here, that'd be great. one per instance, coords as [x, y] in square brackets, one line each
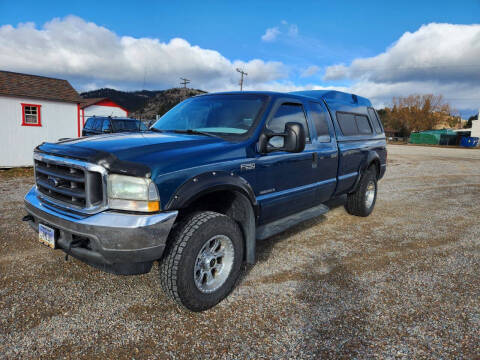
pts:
[195, 132]
[155, 130]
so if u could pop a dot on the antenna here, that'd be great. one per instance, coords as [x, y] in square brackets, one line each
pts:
[184, 82]
[241, 78]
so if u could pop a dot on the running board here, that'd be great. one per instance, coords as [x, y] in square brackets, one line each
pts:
[277, 226]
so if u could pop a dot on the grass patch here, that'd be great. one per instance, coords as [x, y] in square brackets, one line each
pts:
[16, 172]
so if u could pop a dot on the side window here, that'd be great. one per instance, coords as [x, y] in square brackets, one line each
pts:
[106, 125]
[97, 125]
[363, 125]
[375, 120]
[382, 129]
[288, 112]
[89, 123]
[320, 118]
[347, 124]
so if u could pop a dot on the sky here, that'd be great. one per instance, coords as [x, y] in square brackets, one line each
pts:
[377, 49]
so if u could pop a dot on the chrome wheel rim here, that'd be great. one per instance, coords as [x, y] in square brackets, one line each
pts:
[213, 264]
[370, 194]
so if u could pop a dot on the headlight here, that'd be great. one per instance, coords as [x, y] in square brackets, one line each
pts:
[132, 193]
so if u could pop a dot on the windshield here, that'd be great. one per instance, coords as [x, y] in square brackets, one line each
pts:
[232, 114]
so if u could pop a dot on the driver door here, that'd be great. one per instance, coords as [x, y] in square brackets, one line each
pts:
[285, 181]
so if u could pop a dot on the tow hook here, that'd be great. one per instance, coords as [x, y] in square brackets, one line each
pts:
[28, 218]
[73, 244]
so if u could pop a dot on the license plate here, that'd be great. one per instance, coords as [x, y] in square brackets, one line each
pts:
[46, 235]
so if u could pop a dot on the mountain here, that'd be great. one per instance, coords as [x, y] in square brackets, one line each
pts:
[164, 101]
[145, 104]
[131, 100]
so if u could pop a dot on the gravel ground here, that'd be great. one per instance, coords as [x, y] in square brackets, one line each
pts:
[402, 283]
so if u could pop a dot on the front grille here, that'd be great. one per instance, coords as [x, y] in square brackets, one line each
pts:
[71, 184]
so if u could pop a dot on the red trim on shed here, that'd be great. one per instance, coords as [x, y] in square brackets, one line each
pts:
[102, 102]
[39, 117]
[110, 103]
[78, 119]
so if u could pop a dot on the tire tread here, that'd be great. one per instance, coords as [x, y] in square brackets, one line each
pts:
[355, 201]
[181, 235]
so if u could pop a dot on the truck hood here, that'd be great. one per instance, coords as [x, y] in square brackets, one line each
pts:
[157, 152]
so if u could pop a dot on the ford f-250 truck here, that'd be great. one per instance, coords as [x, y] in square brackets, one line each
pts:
[198, 189]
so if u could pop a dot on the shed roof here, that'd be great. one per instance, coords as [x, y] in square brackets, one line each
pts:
[39, 87]
[91, 101]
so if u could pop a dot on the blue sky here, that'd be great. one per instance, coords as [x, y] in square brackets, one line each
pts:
[308, 41]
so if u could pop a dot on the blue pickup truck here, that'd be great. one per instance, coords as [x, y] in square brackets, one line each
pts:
[198, 189]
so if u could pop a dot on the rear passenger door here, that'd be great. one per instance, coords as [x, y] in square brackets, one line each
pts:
[325, 150]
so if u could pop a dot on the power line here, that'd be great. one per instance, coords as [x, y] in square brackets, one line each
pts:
[184, 82]
[241, 78]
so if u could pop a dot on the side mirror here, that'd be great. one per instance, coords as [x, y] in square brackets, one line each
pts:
[293, 139]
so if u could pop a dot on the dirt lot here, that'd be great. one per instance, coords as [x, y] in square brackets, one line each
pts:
[402, 283]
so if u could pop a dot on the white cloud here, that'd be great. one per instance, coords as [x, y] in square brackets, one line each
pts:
[88, 54]
[271, 34]
[459, 95]
[437, 58]
[310, 71]
[446, 52]
[336, 72]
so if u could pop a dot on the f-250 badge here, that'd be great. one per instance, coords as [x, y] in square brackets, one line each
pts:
[250, 166]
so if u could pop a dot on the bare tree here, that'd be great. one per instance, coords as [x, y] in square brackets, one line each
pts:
[417, 113]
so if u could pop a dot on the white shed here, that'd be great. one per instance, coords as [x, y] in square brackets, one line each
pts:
[34, 109]
[101, 107]
[476, 128]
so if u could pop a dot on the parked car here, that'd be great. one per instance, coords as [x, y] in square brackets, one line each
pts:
[105, 125]
[211, 177]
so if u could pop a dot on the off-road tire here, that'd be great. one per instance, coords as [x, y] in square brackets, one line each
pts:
[356, 202]
[177, 266]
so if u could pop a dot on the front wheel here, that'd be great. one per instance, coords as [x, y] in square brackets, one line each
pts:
[362, 201]
[203, 261]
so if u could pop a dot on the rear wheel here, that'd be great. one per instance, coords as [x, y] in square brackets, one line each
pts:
[362, 201]
[203, 261]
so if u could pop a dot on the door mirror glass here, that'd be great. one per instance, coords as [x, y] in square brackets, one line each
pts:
[276, 142]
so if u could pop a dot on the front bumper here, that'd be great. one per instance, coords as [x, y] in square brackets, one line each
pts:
[116, 242]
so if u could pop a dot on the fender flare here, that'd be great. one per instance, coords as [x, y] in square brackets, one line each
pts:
[208, 182]
[371, 158]
[245, 199]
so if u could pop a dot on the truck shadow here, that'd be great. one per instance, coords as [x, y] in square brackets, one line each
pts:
[264, 247]
[334, 319]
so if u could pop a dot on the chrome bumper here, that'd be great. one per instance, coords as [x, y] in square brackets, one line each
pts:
[113, 237]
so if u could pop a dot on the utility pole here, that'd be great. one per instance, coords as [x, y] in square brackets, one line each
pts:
[184, 82]
[241, 78]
